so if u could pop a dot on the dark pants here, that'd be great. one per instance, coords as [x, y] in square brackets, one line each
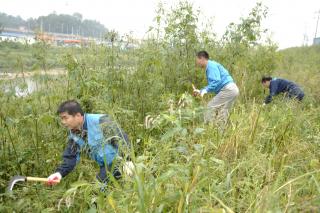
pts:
[103, 177]
[295, 93]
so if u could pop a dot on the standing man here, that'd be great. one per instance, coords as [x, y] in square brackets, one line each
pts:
[278, 85]
[98, 136]
[221, 83]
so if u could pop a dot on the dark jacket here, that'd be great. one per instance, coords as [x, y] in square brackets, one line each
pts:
[278, 85]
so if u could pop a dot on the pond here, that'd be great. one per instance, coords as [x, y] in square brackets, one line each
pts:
[23, 85]
[19, 87]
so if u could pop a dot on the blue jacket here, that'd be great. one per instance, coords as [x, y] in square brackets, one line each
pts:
[217, 77]
[278, 85]
[100, 138]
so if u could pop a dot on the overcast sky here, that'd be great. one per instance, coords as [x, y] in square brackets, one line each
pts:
[288, 20]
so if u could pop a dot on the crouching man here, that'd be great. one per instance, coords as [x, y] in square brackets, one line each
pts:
[278, 85]
[98, 136]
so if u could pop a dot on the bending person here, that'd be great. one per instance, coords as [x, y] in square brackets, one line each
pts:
[277, 85]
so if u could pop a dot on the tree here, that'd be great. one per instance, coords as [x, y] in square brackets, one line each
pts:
[112, 37]
[249, 31]
[55, 23]
[78, 16]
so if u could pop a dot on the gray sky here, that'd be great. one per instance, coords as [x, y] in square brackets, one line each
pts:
[288, 20]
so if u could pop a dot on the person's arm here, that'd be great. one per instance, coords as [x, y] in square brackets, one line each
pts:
[120, 141]
[214, 78]
[268, 99]
[128, 166]
[70, 157]
[124, 145]
[117, 137]
[273, 90]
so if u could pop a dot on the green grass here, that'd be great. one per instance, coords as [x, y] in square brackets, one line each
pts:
[275, 169]
[267, 160]
[13, 54]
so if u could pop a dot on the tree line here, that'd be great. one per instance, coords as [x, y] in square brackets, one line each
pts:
[56, 23]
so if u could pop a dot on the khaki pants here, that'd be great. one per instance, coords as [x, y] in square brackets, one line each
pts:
[218, 108]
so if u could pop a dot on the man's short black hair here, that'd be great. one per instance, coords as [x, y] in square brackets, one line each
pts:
[203, 54]
[72, 107]
[265, 79]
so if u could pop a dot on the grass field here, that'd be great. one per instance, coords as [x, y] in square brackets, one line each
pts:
[267, 159]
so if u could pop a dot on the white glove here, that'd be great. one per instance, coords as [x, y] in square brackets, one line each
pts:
[128, 168]
[54, 178]
[196, 92]
[202, 92]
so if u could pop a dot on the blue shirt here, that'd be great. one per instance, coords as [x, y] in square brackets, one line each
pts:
[217, 77]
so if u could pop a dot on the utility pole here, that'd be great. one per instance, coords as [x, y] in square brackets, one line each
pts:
[305, 40]
[315, 35]
[41, 25]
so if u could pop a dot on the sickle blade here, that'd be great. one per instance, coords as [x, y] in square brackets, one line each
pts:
[14, 180]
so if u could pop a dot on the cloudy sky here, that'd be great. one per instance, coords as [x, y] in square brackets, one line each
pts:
[289, 21]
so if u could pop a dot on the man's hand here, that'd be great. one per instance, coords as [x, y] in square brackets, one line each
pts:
[197, 92]
[54, 178]
[128, 168]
